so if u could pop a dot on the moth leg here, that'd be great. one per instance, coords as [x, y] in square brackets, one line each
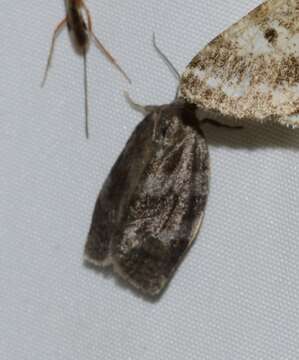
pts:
[109, 57]
[101, 46]
[219, 124]
[144, 109]
[55, 34]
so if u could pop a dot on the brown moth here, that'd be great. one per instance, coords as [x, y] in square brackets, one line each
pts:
[79, 23]
[151, 206]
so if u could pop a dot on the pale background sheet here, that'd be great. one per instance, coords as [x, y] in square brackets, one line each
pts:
[236, 294]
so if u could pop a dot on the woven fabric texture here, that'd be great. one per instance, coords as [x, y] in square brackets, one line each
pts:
[236, 294]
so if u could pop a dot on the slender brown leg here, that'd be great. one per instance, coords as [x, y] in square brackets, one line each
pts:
[101, 46]
[219, 124]
[110, 57]
[55, 34]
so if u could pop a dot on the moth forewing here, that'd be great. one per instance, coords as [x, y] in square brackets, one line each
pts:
[115, 194]
[250, 72]
[151, 206]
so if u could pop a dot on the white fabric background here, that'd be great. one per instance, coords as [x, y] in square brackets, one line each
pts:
[236, 294]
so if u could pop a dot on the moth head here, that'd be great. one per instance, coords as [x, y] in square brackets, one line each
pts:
[169, 120]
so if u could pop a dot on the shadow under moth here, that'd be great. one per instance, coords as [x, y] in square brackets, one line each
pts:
[151, 206]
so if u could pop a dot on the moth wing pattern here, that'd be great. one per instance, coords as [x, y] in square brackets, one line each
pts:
[250, 72]
[151, 206]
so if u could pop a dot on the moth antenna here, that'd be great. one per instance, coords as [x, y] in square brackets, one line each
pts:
[168, 63]
[50, 55]
[166, 60]
[86, 95]
[144, 109]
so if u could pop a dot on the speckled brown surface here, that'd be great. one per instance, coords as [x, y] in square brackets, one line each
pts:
[152, 203]
[250, 71]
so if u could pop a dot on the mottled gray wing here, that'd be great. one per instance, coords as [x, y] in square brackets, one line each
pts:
[251, 71]
[151, 206]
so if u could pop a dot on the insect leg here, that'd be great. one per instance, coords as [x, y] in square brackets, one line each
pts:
[55, 34]
[101, 46]
[144, 109]
[86, 96]
[219, 124]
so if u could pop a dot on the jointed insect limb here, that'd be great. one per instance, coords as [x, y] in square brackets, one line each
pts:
[144, 109]
[86, 96]
[101, 46]
[109, 56]
[55, 34]
[219, 124]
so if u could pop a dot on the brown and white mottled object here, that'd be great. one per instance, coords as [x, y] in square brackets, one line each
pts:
[151, 206]
[250, 72]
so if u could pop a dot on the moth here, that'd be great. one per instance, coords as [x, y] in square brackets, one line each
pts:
[79, 23]
[151, 206]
